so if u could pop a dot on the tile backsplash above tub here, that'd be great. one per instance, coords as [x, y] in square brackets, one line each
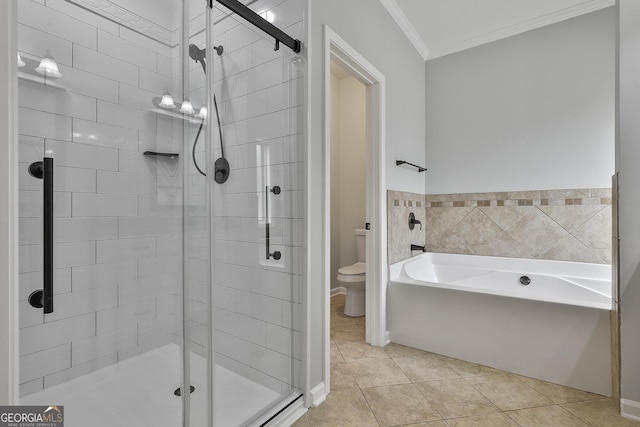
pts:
[399, 238]
[564, 225]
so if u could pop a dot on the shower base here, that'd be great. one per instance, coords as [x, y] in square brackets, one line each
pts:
[139, 392]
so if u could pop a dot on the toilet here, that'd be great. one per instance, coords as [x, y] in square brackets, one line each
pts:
[352, 277]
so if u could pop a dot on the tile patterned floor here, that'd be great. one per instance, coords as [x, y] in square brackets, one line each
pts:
[402, 386]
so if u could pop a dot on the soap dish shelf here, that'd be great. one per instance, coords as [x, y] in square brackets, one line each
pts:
[155, 153]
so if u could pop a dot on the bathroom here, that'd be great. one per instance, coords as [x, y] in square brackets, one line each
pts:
[348, 189]
[249, 290]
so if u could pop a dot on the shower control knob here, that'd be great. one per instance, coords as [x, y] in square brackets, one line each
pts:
[36, 299]
[221, 169]
[276, 189]
[276, 255]
[36, 170]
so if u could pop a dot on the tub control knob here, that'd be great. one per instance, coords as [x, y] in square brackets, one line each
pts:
[524, 280]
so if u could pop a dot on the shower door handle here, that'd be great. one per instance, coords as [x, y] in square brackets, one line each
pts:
[275, 190]
[43, 298]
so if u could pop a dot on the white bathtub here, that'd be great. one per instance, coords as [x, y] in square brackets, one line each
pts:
[475, 308]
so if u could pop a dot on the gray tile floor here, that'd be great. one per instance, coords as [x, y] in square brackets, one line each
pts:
[402, 386]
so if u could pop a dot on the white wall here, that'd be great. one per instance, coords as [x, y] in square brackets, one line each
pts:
[533, 111]
[627, 165]
[378, 38]
[348, 170]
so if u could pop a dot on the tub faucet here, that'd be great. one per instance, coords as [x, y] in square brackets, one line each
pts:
[418, 248]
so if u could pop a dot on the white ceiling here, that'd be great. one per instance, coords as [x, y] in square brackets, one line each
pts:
[440, 27]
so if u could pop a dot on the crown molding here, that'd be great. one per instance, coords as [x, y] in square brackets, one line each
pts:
[512, 30]
[407, 28]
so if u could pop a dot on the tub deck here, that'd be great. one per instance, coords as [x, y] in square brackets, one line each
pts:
[581, 284]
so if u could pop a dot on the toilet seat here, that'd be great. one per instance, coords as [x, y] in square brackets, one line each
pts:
[352, 273]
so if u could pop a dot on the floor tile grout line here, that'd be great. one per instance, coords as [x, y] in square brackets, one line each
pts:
[339, 351]
[485, 396]
[537, 407]
[499, 411]
[435, 409]
[331, 325]
[529, 387]
[441, 418]
[587, 422]
[368, 405]
[512, 420]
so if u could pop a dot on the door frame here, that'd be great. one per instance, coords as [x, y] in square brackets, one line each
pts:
[336, 49]
[9, 324]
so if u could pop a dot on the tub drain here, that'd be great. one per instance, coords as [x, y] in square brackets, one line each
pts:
[524, 280]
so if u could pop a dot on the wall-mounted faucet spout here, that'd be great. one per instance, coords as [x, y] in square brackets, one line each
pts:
[418, 248]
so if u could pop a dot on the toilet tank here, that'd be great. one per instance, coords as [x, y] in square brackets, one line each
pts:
[361, 248]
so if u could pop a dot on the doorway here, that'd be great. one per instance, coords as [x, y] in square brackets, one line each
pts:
[339, 52]
[348, 176]
[348, 205]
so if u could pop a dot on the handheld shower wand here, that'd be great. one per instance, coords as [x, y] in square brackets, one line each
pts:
[199, 55]
[221, 165]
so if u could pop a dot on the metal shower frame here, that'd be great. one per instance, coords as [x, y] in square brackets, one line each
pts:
[266, 26]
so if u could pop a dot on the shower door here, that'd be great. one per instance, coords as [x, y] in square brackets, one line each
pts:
[257, 213]
[109, 226]
[120, 320]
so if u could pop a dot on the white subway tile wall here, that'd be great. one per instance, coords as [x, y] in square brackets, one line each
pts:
[256, 301]
[118, 214]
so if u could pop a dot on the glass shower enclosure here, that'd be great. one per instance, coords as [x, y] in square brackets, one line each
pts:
[159, 284]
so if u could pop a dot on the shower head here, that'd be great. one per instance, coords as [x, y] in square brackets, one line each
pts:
[199, 55]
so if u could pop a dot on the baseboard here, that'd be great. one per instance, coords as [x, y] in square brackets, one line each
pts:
[340, 290]
[318, 394]
[630, 409]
